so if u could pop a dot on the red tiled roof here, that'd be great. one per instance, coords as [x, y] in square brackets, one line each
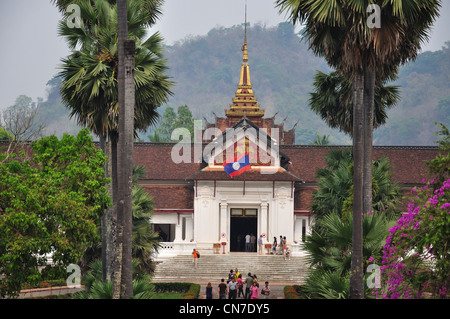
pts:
[408, 163]
[158, 163]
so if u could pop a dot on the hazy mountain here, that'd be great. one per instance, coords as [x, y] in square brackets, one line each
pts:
[207, 68]
[206, 71]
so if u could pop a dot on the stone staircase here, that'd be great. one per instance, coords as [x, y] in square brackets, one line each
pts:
[215, 267]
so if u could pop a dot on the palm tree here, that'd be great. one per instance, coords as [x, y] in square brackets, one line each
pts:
[145, 241]
[329, 249]
[90, 77]
[153, 7]
[335, 182]
[97, 288]
[321, 140]
[332, 101]
[338, 31]
[89, 74]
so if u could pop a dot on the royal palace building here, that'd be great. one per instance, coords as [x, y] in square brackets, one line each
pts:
[198, 204]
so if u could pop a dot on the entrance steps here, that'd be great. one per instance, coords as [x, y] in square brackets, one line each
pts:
[212, 267]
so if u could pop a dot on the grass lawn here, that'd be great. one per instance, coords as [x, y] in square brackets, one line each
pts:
[169, 295]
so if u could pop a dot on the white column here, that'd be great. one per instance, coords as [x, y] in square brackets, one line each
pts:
[298, 225]
[223, 221]
[189, 229]
[263, 222]
[178, 230]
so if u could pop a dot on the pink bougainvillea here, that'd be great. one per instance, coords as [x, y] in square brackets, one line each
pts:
[416, 253]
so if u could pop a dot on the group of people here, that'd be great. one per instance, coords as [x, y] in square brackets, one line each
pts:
[234, 287]
[277, 249]
[250, 243]
[281, 248]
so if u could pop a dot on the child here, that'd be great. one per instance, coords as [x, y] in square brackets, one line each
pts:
[254, 291]
[287, 254]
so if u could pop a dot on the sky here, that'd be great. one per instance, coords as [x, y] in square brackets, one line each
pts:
[31, 49]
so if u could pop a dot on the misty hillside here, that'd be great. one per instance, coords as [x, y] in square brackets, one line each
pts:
[206, 71]
[207, 68]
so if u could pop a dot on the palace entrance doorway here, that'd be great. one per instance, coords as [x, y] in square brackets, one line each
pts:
[243, 221]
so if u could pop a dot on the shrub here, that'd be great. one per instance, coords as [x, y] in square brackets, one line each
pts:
[172, 287]
[292, 292]
[193, 292]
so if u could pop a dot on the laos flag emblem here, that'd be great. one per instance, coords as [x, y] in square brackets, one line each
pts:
[237, 166]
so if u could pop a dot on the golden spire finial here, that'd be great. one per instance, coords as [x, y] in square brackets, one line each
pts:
[244, 47]
[245, 104]
[245, 33]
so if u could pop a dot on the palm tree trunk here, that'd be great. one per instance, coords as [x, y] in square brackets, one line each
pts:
[123, 284]
[356, 274]
[369, 93]
[108, 219]
[103, 221]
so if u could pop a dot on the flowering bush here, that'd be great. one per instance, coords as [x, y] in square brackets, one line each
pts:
[193, 292]
[290, 292]
[416, 255]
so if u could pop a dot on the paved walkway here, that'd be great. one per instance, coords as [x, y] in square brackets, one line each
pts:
[276, 290]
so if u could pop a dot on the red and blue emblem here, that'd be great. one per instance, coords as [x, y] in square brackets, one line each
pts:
[239, 165]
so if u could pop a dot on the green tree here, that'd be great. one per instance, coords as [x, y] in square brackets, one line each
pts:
[335, 182]
[321, 140]
[340, 32]
[416, 252]
[89, 74]
[5, 135]
[170, 121]
[49, 205]
[90, 83]
[145, 241]
[97, 288]
[332, 101]
[329, 249]
[22, 121]
[166, 126]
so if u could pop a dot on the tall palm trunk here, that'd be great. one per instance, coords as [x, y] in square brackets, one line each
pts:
[369, 94]
[356, 274]
[122, 284]
[109, 219]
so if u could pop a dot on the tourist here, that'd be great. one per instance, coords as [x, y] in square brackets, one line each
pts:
[248, 283]
[254, 291]
[260, 245]
[247, 242]
[284, 246]
[274, 246]
[265, 290]
[222, 290]
[232, 289]
[209, 291]
[252, 243]
[240, 286]
[196, 254]
[287, 254]
[280, 249]
[255, 279]
[230, 275]
[236, 274]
